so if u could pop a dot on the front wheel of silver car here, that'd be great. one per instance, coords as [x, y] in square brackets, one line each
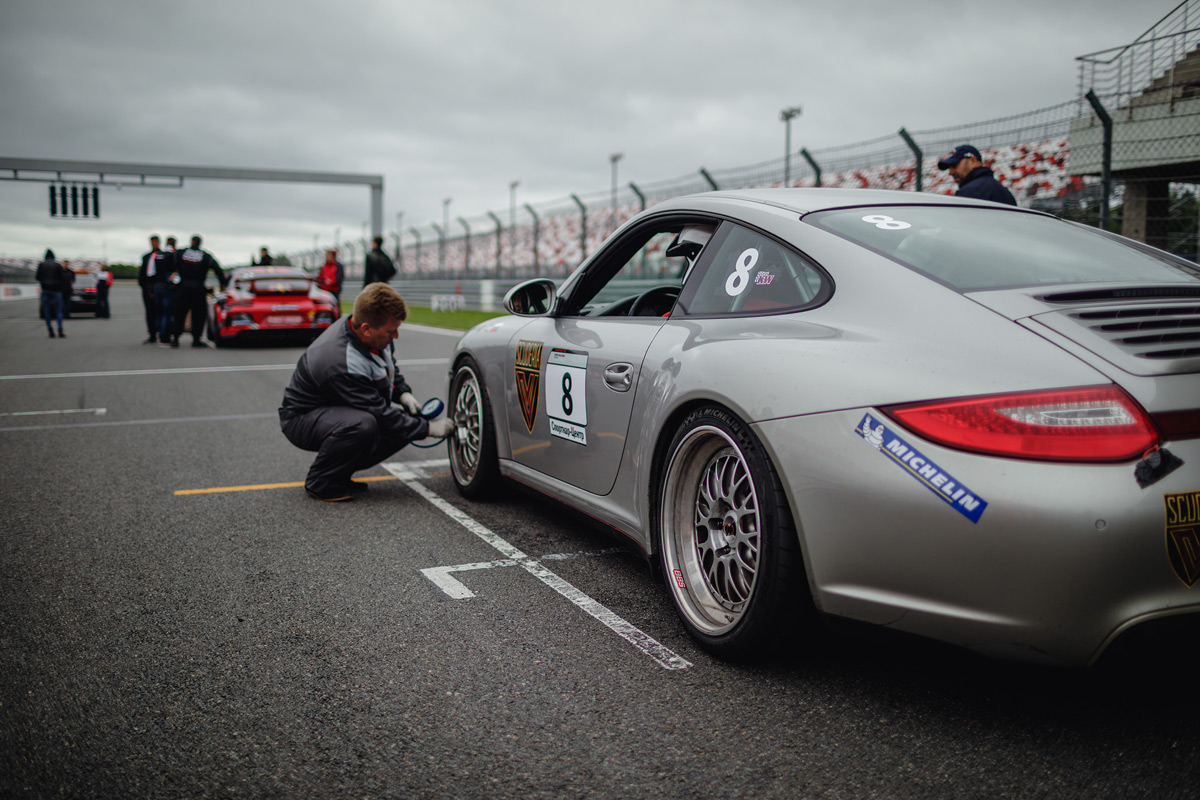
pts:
[729, 548]
[473, 461]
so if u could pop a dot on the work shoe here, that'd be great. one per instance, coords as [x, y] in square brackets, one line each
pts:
[335, 495]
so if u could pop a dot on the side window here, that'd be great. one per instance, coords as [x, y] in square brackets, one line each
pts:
[641, 275]
[752, 274]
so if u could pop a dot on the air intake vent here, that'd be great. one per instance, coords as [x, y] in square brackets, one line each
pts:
[1142, 338]
[1151, 331]
[1137, 293]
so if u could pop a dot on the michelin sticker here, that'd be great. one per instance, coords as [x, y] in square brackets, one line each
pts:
[566, 398]
[930, 475]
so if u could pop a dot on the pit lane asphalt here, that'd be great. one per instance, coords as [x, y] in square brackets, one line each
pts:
[261, 644]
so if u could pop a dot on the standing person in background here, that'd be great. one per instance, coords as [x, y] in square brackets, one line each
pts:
[68, 288]
[193, 265]
[166, 279]
[330, 277]
[104, 281]
[379, 267]
[264, 258]
[152, 262]
[50, 276]
[974, 179]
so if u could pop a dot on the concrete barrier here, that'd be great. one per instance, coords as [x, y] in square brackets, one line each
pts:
[19, 291]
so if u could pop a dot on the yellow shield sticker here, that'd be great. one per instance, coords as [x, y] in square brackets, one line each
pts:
[528, 368]
[1183, 534]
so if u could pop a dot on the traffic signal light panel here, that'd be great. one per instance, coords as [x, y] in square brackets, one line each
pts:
[74, 201]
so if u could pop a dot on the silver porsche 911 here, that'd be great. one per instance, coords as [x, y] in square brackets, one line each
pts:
[968, 421]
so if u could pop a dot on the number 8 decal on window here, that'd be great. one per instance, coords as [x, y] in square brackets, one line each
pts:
[739, 279]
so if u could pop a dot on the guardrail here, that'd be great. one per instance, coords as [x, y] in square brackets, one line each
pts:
[18, 291]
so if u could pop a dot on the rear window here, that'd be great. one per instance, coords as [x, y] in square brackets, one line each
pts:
[278, 286]
[979, 248]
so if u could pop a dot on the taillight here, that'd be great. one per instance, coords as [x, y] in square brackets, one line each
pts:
[1097, 423]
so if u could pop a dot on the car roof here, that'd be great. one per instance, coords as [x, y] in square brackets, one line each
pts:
[804, 201]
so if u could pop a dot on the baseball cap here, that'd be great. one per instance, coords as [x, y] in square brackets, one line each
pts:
[960, 152]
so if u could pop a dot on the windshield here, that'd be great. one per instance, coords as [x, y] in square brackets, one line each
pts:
[982, 248]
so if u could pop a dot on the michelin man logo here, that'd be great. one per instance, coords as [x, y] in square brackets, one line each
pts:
[874, 436]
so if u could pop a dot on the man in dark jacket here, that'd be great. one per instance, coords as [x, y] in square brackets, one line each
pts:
[148, 275]
[378, 267]
[339, 401]
[192, 266]
[974, 179]
[52, 277]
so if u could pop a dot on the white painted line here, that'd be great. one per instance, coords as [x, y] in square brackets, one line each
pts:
[665, 657]
[123, 423]
[410, 362]
[457, 590]
[99, 412]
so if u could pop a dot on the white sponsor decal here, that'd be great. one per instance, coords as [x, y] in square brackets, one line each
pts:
[566, 395]
[565, 430]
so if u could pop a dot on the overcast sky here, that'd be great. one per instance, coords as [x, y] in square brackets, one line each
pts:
[458, 98]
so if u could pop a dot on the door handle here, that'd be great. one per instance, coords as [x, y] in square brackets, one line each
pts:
[619, 377]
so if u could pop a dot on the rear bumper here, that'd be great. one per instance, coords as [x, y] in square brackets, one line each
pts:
[1061, 560]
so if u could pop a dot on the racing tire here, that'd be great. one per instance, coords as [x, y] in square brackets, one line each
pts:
[730, 553]
[473, 460]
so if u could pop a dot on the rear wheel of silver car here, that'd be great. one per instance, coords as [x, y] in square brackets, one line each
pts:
[473, 461]
[729, 549]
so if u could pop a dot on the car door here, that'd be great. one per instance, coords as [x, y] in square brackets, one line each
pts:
[574, 374]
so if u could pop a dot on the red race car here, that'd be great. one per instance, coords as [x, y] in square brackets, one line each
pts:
[264, 303]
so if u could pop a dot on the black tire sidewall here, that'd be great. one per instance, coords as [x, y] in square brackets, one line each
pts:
[486, 479]
[773, 600]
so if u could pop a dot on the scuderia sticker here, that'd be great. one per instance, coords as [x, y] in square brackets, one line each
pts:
[528, 367]
[566, 398]
[1183, 534]
[947, 488]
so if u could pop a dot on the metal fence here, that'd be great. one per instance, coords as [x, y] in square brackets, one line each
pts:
[1142, 183]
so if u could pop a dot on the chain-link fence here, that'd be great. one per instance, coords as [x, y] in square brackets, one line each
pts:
[1137, 176]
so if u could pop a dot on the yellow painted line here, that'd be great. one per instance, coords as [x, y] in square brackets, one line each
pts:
[261, 486]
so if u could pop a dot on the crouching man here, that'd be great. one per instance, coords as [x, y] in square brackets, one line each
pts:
[339, 401]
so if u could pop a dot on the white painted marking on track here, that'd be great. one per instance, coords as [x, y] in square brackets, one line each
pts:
[117, 373]
[457, 590]
[406, 474]
[99, 412]
[126, 422]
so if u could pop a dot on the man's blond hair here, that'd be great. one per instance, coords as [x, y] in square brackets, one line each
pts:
[377, 305]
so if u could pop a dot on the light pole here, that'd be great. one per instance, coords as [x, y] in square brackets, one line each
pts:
[512, 226]
[614, 158]
[786, 116]
[445, 229]
[512, 205]
[399, 231]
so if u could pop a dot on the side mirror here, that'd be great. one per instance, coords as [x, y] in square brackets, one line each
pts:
[535, 298]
